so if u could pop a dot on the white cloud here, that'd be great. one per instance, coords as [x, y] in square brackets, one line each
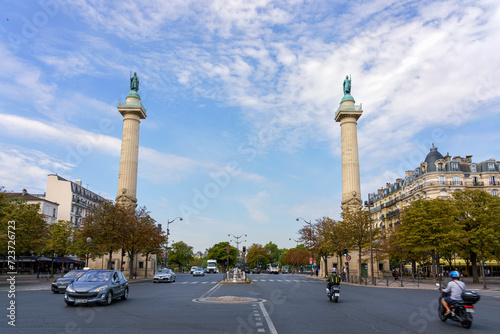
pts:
[257, 206]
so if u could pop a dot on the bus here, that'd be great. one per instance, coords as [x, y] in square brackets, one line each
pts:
[273, 268]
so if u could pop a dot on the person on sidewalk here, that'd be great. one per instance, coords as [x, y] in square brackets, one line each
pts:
[455, 288]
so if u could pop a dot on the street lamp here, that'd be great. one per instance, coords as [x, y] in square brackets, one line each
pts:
[168, 233]
[296, 252]
[377, 242]
[89, 242]
[238, 242]
[368, 204]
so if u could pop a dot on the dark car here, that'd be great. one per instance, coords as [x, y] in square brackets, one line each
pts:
[255, 271]
[100, 286]
[247, 270]
[60, 284]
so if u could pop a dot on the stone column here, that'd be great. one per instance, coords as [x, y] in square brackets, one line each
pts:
[132, 111]
[348, 114]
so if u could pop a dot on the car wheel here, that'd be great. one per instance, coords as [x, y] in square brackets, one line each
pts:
[70, 303]
[109, 298]
[125, 294]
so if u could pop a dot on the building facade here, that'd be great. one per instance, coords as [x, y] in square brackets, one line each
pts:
[74, 200]
[437, 176]
[48, 208]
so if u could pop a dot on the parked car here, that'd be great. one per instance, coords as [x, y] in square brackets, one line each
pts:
[255, 271]
[164, 275]
[247, 270]
[199, 272]
[60, 284]
[101, 286]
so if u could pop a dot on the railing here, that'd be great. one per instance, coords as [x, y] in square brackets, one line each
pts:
[124, 104]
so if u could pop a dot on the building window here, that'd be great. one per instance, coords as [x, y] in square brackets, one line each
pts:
[491, 166]
[473, 168]
[425, 182]
[443, 193]
[456, 181]
[440, 167]
[492, 180]
[54, 213]
[454, 166]
[494, 192]
[141, 265]
[441, 180]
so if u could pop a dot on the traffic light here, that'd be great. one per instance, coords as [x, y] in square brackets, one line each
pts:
[244, 249]
[345, 251]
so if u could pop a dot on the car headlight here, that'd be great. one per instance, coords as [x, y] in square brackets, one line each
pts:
[99, 289]
[70, 289]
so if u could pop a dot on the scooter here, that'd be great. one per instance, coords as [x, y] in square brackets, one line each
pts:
[333, 293]
[460, 312]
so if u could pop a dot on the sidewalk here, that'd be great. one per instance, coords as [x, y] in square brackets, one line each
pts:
[493, 283]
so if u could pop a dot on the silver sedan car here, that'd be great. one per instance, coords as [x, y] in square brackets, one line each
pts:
[199, 272]
[164, 275]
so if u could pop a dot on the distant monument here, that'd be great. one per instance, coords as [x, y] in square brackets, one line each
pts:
[347, 114]
[134, 82]
[132, 111]
[347, 85]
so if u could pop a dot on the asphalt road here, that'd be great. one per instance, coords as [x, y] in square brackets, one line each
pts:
[277, 304]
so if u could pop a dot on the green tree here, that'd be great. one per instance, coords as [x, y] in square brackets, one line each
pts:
[479, 219]
[355, 231]
[31, 230]
[218, 252]
[273, 251]
[107, 225]
[181, 253]
[153, 244]
[258, 255]
[60, 241]
[297, 257]
[430, 226]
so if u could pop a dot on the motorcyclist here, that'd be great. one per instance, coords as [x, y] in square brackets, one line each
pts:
[455, 288]
[333, 279]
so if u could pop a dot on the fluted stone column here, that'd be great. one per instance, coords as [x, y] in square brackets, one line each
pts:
[132, 111]
[348, 114]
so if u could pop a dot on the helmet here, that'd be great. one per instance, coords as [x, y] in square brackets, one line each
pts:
[334, 270]
[455, 274]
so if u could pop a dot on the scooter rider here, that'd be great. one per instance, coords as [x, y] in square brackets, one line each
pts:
[455, 288]
[333, 279]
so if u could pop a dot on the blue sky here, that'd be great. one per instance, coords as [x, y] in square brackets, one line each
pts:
[240, 136]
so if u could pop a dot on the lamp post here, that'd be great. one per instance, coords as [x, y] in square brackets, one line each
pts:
[238, 242]
[89, 242]
[296, 252]
[168, 233]
[368, 204]
[377, 242]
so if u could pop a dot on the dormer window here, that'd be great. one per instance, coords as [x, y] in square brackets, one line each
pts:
[473, 168]
[440, 167]
[491, 166]
[454, 166]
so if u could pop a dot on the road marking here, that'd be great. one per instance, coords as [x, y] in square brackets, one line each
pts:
[262, 280]
[261, 330]
[210, 291]
[204, 282]
[271, 280]
[184, 283]
[194, 282]
[270, 324]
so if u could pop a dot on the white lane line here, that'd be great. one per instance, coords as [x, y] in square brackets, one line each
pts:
[194, 282]
[184, 283]
[261, 330]
[270, 324]
[215, 287]
[204, 282]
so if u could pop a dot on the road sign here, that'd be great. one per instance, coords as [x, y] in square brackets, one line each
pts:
[348, 258]
[310, 259]
[314, 261]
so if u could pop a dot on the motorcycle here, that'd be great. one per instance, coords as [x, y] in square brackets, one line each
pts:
[333, 293]
[460, 312]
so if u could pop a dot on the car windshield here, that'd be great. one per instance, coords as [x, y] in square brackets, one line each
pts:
[97, 276]
[74, 274]
[165, 271]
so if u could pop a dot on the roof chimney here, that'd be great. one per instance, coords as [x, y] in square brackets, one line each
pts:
[79, 182]
[24, 192]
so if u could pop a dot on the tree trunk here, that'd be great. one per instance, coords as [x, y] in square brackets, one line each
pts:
[413, 268]
[473, 260]
[146, 267]
[359, 261]
[52, 266]
[110, 259]
[131, 267]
